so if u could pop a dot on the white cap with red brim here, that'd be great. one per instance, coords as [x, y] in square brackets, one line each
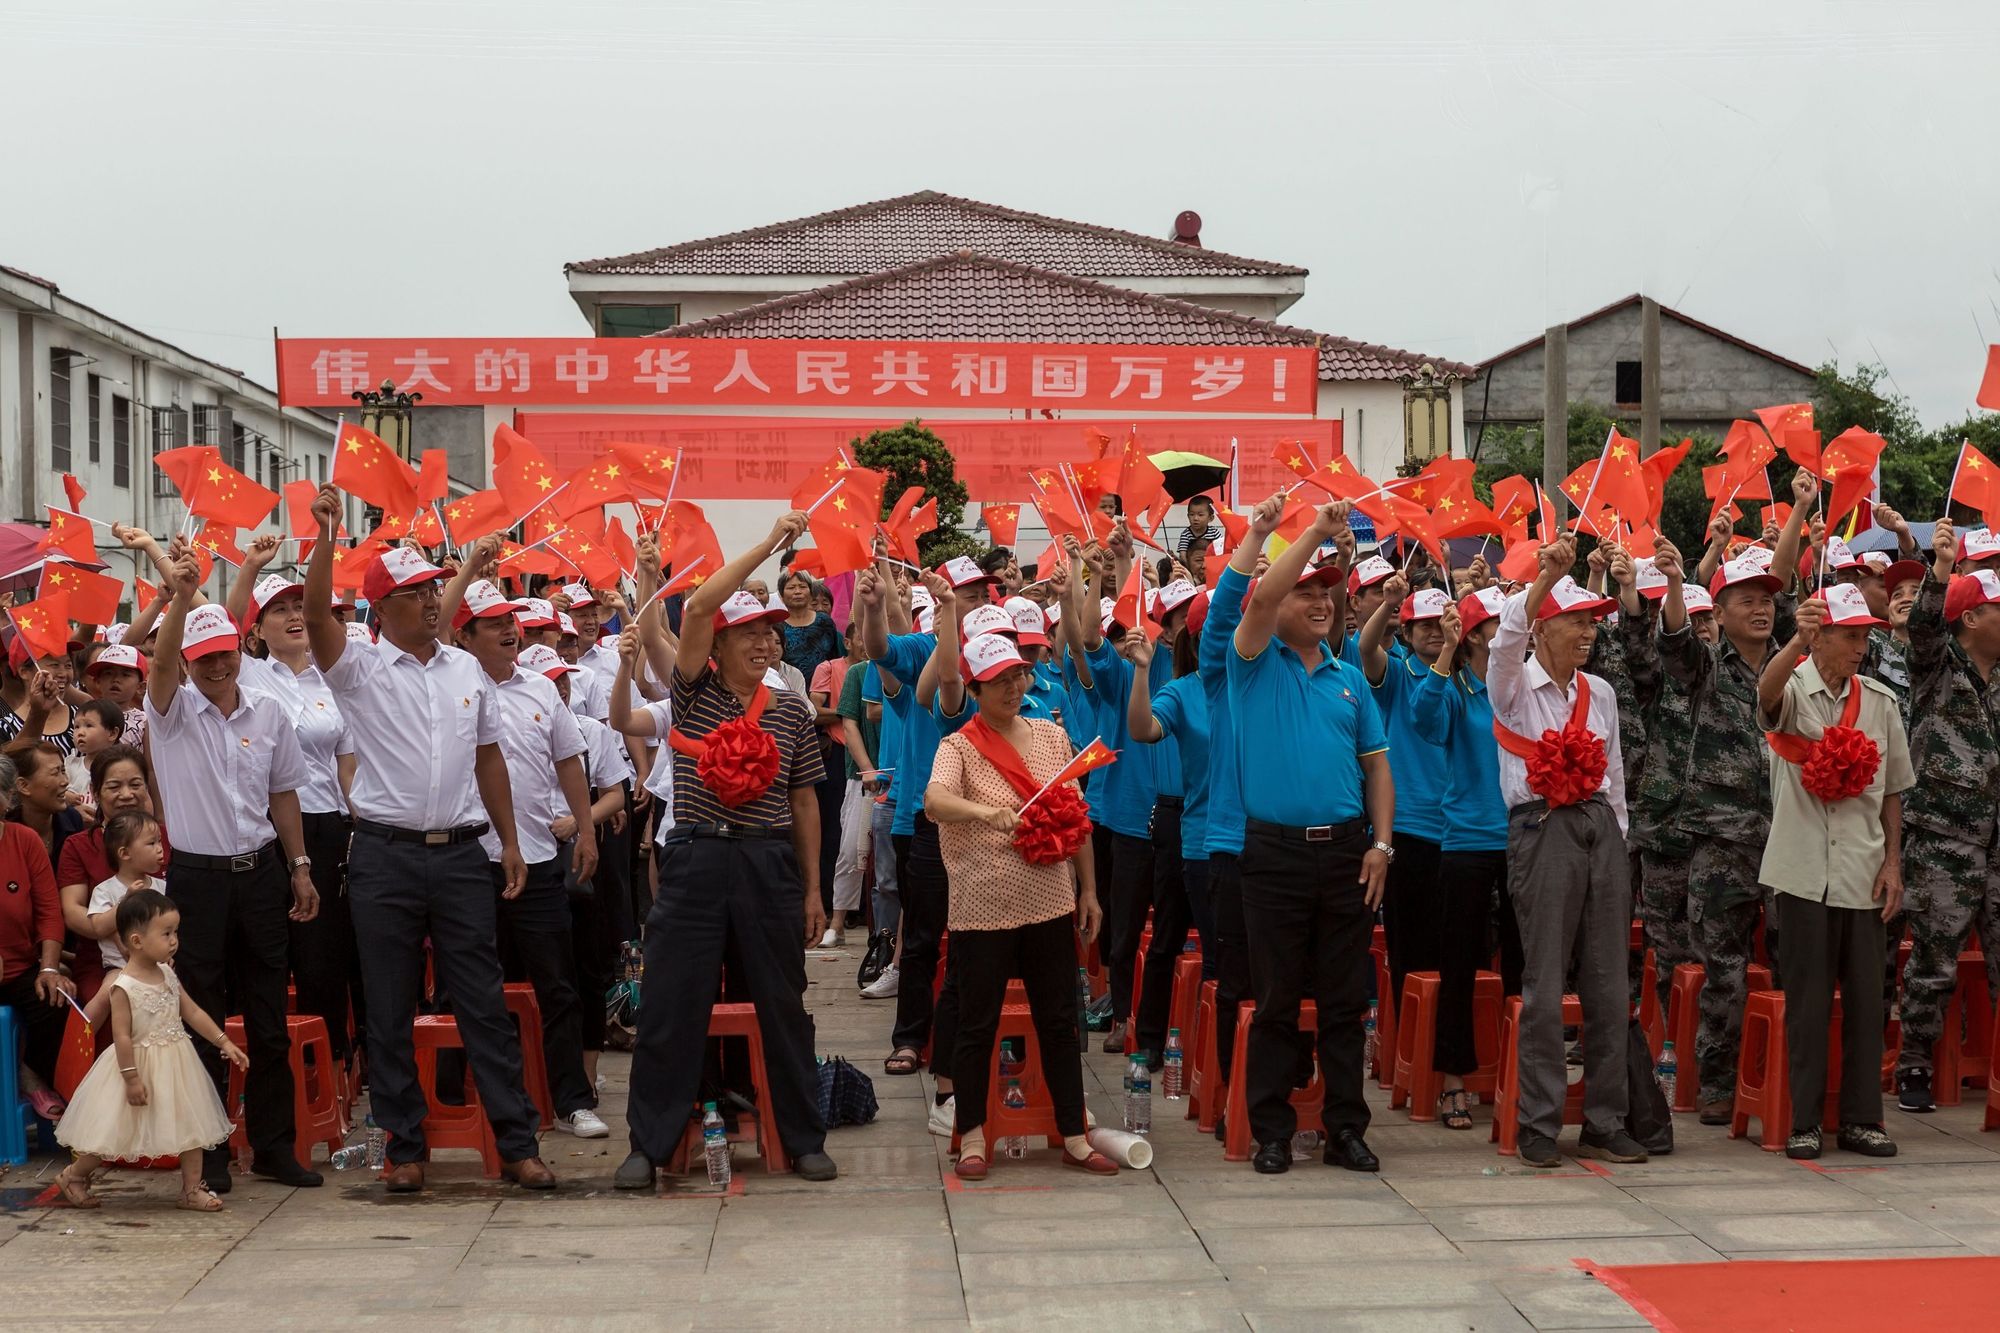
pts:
[118, 657]
[1742, 574]
[1979, 588]
[1173, 597]
[579, 594]
[208, 629]
[1568, 596]
[397, 568]
[987, 655]
[962, 571]
[743, 608]
[1029, 625]
[268, 590]
[1696, 600]
[987, 619]
[544, 661]
[536, 613]
[1845, 606]
[483, 601]
[1478, 607]
[1369, 573]
[1647, 580]
[1424, 604]
[1978, 544]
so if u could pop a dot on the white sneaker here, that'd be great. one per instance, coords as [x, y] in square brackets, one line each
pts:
[833, 939]
[944, 1118]
[883, 987]
[584, 1124]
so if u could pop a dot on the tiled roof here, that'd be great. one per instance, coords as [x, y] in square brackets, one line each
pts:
[1667, 312]
[969, 297]
[891, 233]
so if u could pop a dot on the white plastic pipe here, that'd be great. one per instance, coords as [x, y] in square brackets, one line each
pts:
[1123, 1148]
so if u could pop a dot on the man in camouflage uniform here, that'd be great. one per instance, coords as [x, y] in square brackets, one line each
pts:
[1726, 803]
[1951, 866]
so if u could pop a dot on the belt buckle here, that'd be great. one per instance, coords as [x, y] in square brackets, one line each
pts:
[437, 838]
[733, 832]
[239, 865]
[1320, 833]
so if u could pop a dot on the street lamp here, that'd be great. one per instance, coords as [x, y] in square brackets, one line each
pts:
[386, 413]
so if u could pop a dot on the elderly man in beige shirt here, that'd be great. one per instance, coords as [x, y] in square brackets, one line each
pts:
[1839, 764]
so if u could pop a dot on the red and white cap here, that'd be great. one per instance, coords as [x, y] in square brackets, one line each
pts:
[1424, 604]
[1479, 606]
[1839, 557]
[1756, 554]
[1173, 597]
[1647, 580]
[1328, 574]
[118, 656]
[483, 601]
[743, 608]
[1978, 544]
[1845, 605]
[1696, 600]
[544, 661]
[920, 598]
[1031, 628]
[1568, 595]
[988, 619]
[359, 633]
[579, 594]
[1197, 615]
[210, 630]
[1979, 588]
[565, 627]
[268, 590]
[536, 613]
[962, 571]
[987, 655]
[1368, 573]
[1106, 614]
[396, 568]
[1741, 574]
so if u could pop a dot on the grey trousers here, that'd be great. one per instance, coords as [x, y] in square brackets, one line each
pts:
[1842, 946]
[1570, 880]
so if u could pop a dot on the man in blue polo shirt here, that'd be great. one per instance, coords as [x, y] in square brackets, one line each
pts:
[1313, 770]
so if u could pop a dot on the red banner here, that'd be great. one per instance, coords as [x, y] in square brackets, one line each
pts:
[767, 458]
[757, 372]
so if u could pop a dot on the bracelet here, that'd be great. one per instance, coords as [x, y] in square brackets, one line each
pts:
[56, 970]
[127, 1069]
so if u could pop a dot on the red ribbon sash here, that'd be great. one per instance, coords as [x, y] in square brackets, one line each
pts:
[1841, 763]
[1005, 759]
[1565, 766]
[1057, 825]
[738, 760]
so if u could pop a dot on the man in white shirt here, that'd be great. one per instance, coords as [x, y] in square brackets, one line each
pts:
[228, 770]
[429, 780]
[1567, 870]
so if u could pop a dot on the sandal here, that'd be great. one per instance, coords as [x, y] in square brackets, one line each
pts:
[76, 1193]
[46, 1104]
[970, 1166]
[1096, 1163]
[1454, 1110]
[200, 1199]
[904, 1060]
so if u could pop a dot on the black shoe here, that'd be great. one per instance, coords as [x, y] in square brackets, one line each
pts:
[1349, 1150]
[1913, 1091]
[285, 1169]
[636, 1172]
[1617, 1146]
[1804, 1145]
[1273, 1158]
[1221, 1129]
[215, 1170]
[1537, 1150]
[815, 1166]
[1868, 1140]
[1154, 1059]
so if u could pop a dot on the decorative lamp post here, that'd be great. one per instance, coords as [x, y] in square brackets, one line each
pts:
[386, 413]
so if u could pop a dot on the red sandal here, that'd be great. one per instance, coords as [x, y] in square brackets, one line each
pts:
[970, 1167]
[1097, 1163]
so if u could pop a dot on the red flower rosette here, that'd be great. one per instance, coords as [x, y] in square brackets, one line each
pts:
[1053, 828]
[1567, 765]
[1840, 764]
[739, 762]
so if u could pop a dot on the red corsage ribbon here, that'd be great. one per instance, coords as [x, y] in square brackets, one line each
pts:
[738, 761]
[1565, 766]
[1841, 763]
[1054, 828]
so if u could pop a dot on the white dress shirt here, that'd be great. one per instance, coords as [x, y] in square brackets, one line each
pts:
[659, 718]
[536, 734]
[416, 727]
[215, 774]
[321, 728]
[1526, 700]
[605, 762]
[600, 668]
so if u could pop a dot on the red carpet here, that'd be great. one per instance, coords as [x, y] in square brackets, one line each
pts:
[1824, 1296]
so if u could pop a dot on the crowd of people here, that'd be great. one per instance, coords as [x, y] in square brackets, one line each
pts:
[1786, 752]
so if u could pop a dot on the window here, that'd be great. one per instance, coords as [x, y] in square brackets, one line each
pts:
[207, 424]
[322, 469]
[94, 426]
[170, 431]
[239, 448]
[1627, 392]
[59, 454]
[121, 441]
[635, 321]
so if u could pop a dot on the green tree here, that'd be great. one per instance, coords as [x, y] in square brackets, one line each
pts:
[913, 455]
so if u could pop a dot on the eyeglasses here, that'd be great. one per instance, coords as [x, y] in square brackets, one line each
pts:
[423, 592]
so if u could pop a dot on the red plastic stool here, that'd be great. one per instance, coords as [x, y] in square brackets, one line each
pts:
[1684, 1023]
[1417, 1081]
[1138, 983]
[1763, 1076]
[1180, 1008]
[527, 1012]
[1975, 1064]
[1307, 1101]
[1507, 1099]
[448, 1126]
[316, 1112]
[1384, 1068]
[1651, 1021]
[1036, 1120]
[740, 1020]
[1206, 1090]
[1992, 1118]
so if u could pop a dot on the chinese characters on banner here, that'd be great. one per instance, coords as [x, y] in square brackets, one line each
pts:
[722, 372]
[767, 458]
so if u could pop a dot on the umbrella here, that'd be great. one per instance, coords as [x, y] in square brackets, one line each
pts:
[1187, 474]
[21, 556]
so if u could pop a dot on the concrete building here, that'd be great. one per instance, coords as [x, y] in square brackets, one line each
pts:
[1708, 378]
[84, 393]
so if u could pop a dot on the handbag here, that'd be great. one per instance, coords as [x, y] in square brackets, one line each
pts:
[881, 951]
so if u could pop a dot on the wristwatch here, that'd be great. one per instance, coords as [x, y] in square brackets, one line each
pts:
[1385, 849]
[298, 861]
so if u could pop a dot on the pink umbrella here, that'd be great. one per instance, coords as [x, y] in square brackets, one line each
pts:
[21, 557]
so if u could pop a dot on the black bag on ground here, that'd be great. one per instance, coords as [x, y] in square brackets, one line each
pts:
[1648, 1118]
[881, 951]
[846, 1095]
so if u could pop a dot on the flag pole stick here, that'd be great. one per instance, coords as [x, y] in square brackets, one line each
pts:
[1052, 781]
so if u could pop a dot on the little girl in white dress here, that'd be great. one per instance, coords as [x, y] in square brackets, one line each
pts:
[148, 1095]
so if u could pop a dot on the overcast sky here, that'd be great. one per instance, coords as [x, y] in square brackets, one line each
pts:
[1819, 178]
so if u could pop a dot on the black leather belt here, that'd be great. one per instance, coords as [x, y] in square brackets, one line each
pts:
[1312, 833]
[735, 832]
[442, 837]
[1169, 803]
[235, 865]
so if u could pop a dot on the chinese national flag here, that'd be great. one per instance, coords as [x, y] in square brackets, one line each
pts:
[590, 554]
[1295, 458]
[1658, 469]
[93, 597]
[350, 567]
[1783, 419]
[1298, 516]
[74, 490]
[367, 468]
[649, 469]
[427, 530]
[1339, 480]
[43, 625]
[77, 1055]
[1093, 756]
[1747, 448]
[520, 473]
[691, 573]
[608, 480]
[1442, 479]
[473, 516]
[1849, 460]
[1407, 517]
[1975, 484]
[224, 495]
[1003, 522]
[1989, 386]
[148, 593]
[1513, 505]
[71, 535]
[1141, 484]
[1617, 482]
[1130, 609]
[685, 536]
[218, 538]
[1719, 483]
[844, 525]
[907, 522]
[184, 466]
[1521, 561]
[1465, 518]
[434, 478]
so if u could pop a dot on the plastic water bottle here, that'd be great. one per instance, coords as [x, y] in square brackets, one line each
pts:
[1668, 1071]
[377, 1140]
[1139, 1098]
[1014, 1147]
[1170, 1071]
[353, 1155]
[714, 1146]
[1304, 1144]
[1011, 1061]
[1013, 1098]
[1369, 1035]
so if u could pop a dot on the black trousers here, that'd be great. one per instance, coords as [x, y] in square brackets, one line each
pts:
[1232, 949]
[232, 960]
[719, 894]
[403, 892]
[1824, 947]
[40, 1024]
[1309, 926]
[536, 947]
[1466, 885]
[831, 791]
[324, 967]
[1173, 915]
[1125, 916]
[611, 886]
[1043, 956]
[920, 875]
[594, 951]
[1412, 914]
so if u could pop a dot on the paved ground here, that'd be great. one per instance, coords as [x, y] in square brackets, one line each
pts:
[1449, 1236]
